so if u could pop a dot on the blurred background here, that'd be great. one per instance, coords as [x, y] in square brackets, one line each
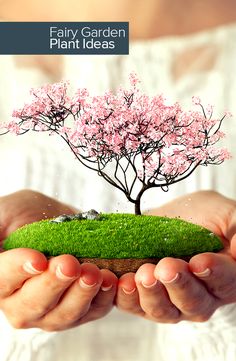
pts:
[179, 48]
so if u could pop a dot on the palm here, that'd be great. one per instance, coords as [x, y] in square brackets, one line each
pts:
[23, 286]
[26, 207]
[206, 208]
[178, 290]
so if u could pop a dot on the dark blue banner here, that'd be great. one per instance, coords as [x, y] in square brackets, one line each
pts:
[64, 38]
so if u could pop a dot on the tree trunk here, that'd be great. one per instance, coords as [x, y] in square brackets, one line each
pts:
[137, 207]
[137, 201]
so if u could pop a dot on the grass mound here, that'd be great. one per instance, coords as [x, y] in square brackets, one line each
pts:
[116, 236]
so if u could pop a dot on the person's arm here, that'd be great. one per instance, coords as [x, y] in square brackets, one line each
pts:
[175, 290]
[53, 294]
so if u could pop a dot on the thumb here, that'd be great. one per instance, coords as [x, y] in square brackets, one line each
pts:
[232, 234]
[233, 246]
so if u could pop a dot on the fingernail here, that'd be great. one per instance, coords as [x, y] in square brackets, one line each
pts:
[29, 268]
[172, 280]
[106, 288]
[84, 284]
[203, 274]
[61, 275]
[129, 292]
[149, 286]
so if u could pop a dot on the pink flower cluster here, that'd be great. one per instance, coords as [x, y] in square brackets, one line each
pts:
[159, 144]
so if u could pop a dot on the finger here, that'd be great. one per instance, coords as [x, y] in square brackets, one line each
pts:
[18, 265]
[104, 300]
[76, 301]
[218, 272]
[153, 298]
[105, 296]
[40, 294]
[232, 238]
[186, 292]
[127, 298]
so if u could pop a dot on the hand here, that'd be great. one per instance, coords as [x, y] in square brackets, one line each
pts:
[175, 290]
[53, 294]
[27, 206]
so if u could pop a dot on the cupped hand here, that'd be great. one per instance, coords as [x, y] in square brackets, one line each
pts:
[176, 290]
[27, 206]
[54, 294]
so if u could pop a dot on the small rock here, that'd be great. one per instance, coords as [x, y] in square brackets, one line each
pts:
[91, 215]
[62, 218]
[78, 216]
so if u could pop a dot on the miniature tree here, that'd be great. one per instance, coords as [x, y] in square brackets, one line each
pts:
[135, 142]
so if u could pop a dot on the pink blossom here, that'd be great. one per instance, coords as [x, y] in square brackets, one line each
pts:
[196, 100]
[13, 128]
[133, 78]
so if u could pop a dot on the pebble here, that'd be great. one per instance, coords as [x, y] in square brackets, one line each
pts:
[60, 219]
[91, 215]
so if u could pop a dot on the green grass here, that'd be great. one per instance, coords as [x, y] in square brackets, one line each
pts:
[116, 236]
